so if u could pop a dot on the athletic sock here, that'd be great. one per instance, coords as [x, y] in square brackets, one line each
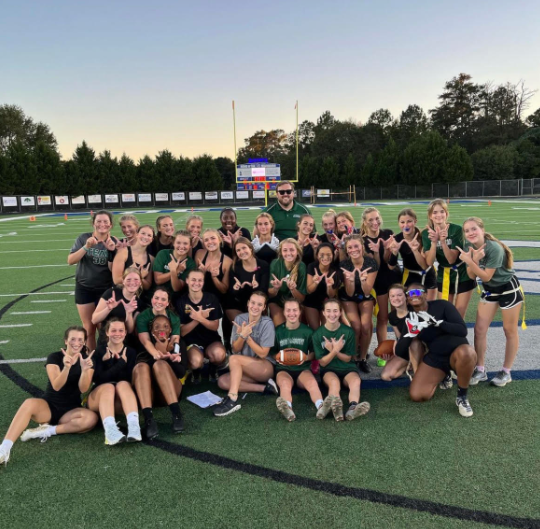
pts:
[51, 430]
[462, 392]
[6, 443]
[175, 409]
[132, 417]
[480, 368]
[318, 404]
[109, 422]
[289, 403]
[506, 370]
[148, 415]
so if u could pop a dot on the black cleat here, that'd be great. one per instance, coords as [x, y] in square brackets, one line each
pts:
[151, 429]
[178, 424]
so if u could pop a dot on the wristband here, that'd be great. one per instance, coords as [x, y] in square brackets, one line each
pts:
[86, 249]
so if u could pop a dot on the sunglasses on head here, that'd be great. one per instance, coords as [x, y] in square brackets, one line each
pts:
[415, 292]
[285, 192]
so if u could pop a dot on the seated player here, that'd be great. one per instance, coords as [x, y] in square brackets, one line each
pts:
[69, 373]
[200, 313]
[439, 325]
[296, 335]
[114, 363]
[159, 368]
[335, 347]
[251, 368]
[396, 366]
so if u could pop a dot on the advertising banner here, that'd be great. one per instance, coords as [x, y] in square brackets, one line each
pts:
[94, 199]
[323, 192]
[145, 197]
[195, 195]
[111, 199]
[227, 195]
[162, 197]
[242, 195]
[179, 196]
[258, 194]
[128, 197]
[28, 201]
[211, 195]
[9, 201]
[78, 200]
[61, 200]
[44, 201]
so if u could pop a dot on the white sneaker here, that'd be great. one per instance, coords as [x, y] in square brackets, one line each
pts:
[446, 383]
[501, 379]
[134, 432]
[464, 407]
[113, 436]
[478, 376]
[41, 432]
[285, 409]
[4, 455]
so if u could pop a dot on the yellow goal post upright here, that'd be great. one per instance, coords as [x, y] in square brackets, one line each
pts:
[258, 174]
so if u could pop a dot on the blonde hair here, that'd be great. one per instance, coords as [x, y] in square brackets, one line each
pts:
[329, 213]
[293, 274]
[347, 215]
[265, 215]
[191, 218]
[487, 236]
[132, 270]
[212, 230]
[354, 237]
[365, 213]
[130, 218]
[431, 207]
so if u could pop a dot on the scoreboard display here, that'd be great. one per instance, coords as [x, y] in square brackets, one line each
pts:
[257, 176]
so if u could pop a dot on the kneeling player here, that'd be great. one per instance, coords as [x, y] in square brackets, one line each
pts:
[335, 347]
[439, 325]
[296, 335]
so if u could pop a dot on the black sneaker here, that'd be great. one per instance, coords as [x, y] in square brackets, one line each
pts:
[364, 366]
[227, 407]
[271, 387]
[151, 429]
[178, 424]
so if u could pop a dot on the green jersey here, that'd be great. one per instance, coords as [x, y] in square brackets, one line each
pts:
[298, 339]
[286, 220]
[349, 347]
[495, 257]
[161, 264]
[453, 240]
[145, 318]
[278, 268]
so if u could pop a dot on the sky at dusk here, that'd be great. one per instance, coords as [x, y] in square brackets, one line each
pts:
[138, 77]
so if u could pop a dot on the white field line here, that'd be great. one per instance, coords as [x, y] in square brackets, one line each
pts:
[4, 342]
[11, 241]
[25, 267]
[22, 361]
[27, 251]
[35, 294]
[48, 300]
[10, 326]
[31, 312]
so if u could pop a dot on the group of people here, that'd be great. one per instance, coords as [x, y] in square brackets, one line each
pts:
[152, 303]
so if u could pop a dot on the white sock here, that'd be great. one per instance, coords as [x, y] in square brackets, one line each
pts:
[318, 404]
[6, 443]
[109, 422]
[289, 403]
[132, 417]
[51, 430]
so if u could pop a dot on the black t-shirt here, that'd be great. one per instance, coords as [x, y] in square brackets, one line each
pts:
[157, 246]
[69, 395]
[308, 254]
[209, 285]
[358, 294]
[200, 335]
[113, 369]
[385, 276]
[399, 323]
[129, 259]
[315, 299]
[409, 260]
[239, 298]
[225, 248]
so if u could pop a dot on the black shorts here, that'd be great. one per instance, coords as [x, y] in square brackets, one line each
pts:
[293, 374]
[440, 350]
[178, 369]
[84, 296]
[429, 279]
[361, 298]
[506, 301]
[340, 374]
[58, 412]
[463, 286]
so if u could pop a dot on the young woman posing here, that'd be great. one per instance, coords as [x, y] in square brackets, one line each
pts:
[248, 274]
[265, 243]
[93, 253]
[345, 226]
[307, 238]
[440, 241]
[322, 282]
[164, 234]
[172, 266]
[137, 254]
[377, 243]
[121, 302]
[408, 243]
[287, 278]
[69, 373]
[200, 313]
[335, 348]
[491, 261]
[194, 226]
[250, 367]
[114, 363]
[157, 366]
[129, 225]
[357, 277]
[294, 334]
[230, 231]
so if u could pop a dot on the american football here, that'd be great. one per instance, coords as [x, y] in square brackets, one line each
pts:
[290, 357]
[385, 348]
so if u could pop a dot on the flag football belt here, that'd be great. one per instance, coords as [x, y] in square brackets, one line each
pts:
[486, 294]
[445, 294]
[421, 273]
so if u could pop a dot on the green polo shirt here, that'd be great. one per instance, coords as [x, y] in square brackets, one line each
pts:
[286, 221]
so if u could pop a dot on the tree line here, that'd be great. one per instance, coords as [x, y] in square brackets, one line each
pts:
[477, 131]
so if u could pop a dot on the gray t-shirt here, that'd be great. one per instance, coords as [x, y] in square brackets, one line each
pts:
[264, 333]
[495, 257]
[93, 269]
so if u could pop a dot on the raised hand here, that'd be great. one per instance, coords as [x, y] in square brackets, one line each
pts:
[429, 319]
[478, 254]
[317, 278]
[443, 232]
[214, 270]
[330, 279]
[132, 306]
[112, 303]
[195, 240]
[315, 243]
[388, 242]
[91, 242]
[254, 283]
[363, 274]
[349, 275]
[86, 363]
[375, 246]
[145, 270]
[236, 235]
[433, 234]
[328, 345]
[237, 285]
[414, 325]
[227, 239]
[466, 257]
[245, 330]
[110, 244]
[338, 344]
[276, 283]
[414, 244]
[290, 283]
[202, 267]
[173, 265]
[69, 360]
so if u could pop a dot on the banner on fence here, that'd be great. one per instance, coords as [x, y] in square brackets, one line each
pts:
[44, 200]
[78, 200]
[128, 197]
[306, 193]
[210, 195]
[227, 195]
[258, 194]
[162, 197]
[242, 195]
[28, 201]
[94, 199]
[195, 195]
[323, 192]
[111, 199]
[145, 197]
[179, 196]
[9, 202]
[272, 193]
[62, 200]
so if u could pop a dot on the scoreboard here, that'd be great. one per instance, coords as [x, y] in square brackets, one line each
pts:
[257, 176]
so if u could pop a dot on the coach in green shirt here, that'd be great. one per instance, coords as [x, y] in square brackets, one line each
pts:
[286, 212]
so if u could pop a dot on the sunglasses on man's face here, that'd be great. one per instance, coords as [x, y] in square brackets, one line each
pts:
[416, 292]
[285, 192]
